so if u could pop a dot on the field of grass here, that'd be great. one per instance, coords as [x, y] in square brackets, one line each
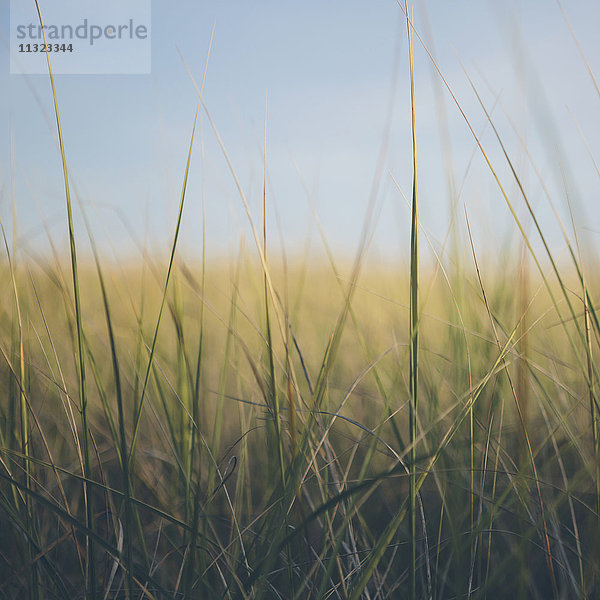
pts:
[256, 427]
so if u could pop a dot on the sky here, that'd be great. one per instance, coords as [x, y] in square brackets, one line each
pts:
[332, 78]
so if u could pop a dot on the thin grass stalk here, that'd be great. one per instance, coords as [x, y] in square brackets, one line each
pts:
[475, 571]
[591, 396]
[192, 557]
[122, 436]
[458, 276]
[523, 395]
[274, 396]
[472, 540]
[523, 344]
[184, 381]
[488, 560]
[221, 395]
[90, 558]
[16, 397]
[458, 301]
[289, 372]
[414, 330]
[140, 405]
[243, 498]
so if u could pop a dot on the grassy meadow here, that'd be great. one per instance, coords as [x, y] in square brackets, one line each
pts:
[316, 426]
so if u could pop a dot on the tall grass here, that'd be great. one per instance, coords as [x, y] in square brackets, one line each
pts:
[414, 326]
[90, 560]
[297, 429]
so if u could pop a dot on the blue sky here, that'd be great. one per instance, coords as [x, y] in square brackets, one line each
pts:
[328, 70]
